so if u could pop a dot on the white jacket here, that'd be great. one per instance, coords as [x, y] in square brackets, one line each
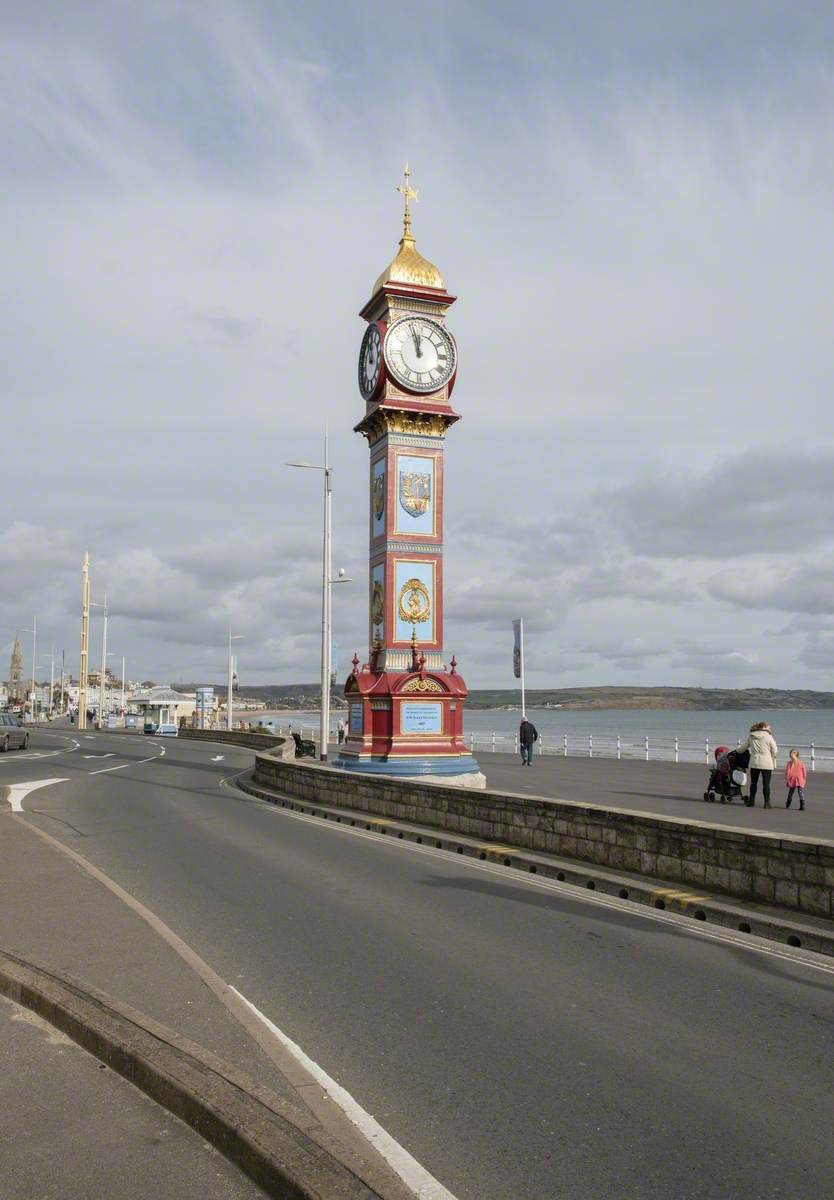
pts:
[763, 749]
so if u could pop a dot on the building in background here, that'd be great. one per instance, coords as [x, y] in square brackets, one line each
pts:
[162, 706]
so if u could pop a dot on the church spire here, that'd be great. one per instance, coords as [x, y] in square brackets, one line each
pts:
[16, 671]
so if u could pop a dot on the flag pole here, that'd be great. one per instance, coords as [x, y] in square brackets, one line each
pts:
[521, 646]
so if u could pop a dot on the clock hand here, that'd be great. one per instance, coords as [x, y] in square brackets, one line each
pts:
[415, 334]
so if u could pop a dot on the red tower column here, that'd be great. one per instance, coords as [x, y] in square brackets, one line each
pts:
[406, 702]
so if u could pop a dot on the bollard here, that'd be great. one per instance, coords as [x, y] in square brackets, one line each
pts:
[677, 759]
[813, 758]
[647, 747]
[493, 741]
[619, 747]
[706, 751]
[566, 745]
[590, 745]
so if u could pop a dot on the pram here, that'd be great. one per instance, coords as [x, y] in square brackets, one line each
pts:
[728, 776]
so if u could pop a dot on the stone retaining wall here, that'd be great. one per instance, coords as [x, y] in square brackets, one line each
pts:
[239, 737]
[795, 872]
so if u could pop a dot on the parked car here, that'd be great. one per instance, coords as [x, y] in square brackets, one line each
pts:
[12, 733]
[167, 730]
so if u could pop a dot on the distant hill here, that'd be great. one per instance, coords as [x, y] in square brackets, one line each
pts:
[306, 695]
[652, 698]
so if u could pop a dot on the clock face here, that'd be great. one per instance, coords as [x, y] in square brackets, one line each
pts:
[370, 361]
[419, 354]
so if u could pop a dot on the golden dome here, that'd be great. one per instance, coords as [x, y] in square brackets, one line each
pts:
[409, 266]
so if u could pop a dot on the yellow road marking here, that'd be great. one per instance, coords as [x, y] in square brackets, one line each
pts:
[683, 898]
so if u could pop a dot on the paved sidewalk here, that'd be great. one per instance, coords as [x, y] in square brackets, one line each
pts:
[668, 789]
[72, 1129]
[56, 916]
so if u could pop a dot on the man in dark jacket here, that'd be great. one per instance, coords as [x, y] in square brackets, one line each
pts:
[527, 734]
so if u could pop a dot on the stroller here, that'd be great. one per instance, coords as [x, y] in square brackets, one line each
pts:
[728, 776]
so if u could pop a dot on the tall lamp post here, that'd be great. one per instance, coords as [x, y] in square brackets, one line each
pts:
[233, 637]
[34, 633]
[327, 581]
[96, 604]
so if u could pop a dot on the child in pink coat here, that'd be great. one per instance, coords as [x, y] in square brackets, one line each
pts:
[795, 777]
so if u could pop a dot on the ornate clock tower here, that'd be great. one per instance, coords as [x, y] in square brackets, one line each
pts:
[406, 703]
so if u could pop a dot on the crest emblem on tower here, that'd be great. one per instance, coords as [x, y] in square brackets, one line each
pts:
[379, 495]
[415, 492]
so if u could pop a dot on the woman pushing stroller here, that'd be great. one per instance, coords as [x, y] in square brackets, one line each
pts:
[763, 750]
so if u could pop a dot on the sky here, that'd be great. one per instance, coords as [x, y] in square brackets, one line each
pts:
[633, 204]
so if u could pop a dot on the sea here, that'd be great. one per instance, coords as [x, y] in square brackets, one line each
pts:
[685, 735]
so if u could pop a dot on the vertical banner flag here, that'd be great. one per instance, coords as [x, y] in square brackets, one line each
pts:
[517, 649]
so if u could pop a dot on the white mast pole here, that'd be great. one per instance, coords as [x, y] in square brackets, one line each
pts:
[324, 733]
[103, 666]
[521, 646]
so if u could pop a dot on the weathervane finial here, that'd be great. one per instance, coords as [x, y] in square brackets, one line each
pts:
[408, 193]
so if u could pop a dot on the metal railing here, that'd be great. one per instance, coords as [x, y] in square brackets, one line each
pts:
[657, 747]
[648, 747]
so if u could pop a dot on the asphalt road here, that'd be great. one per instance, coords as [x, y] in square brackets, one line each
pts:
[520, 1042]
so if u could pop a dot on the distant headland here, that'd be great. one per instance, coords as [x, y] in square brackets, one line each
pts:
[306, 695]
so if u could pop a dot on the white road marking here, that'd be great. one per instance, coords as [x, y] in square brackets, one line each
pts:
[110, 754]
[409, 1170]
[122, 766]
[19, 791]
[685, 925]
[264, 1032]
[218, 758]
[6, 759]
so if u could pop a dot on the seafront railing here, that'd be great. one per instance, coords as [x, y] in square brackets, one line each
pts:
[650, 747]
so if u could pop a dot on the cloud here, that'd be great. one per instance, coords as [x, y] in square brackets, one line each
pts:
[772, 499]
[799, 587]
[196, 200]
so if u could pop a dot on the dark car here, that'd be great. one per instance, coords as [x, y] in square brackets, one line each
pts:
[12, 734]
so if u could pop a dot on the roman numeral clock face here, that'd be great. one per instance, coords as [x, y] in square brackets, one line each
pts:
[419, 354]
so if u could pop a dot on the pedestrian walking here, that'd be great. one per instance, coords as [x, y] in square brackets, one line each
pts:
[763, 750]
[795, 779]
[527, 735]
[341, 730]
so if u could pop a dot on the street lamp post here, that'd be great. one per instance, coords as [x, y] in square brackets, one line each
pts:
[326, 588]
[34, 633]
[233, 637]
[96, 604]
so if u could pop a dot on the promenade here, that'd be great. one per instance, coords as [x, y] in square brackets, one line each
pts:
[663, 788]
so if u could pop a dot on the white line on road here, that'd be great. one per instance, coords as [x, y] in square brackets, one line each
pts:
[40, 754]
[409, 1170]
[18, 791]
[109, 754]
[218, 758]
[266, 1034]
[122, 766]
